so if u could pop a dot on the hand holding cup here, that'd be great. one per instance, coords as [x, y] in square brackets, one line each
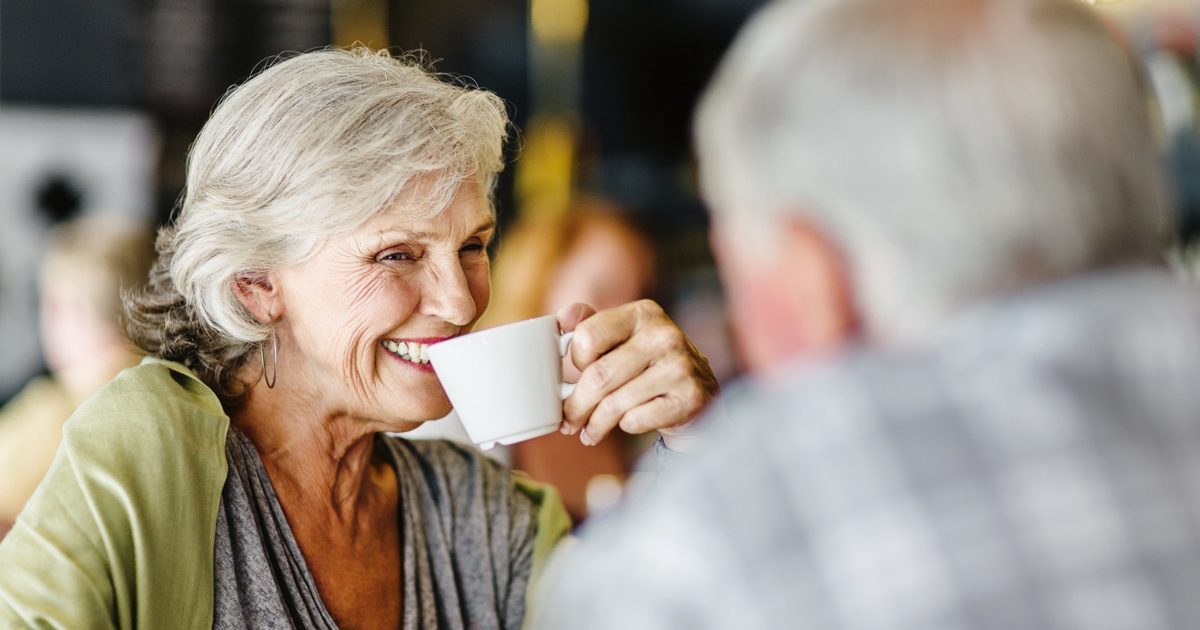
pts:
[637, 371]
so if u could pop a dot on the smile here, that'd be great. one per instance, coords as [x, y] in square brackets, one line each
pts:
[415, 352]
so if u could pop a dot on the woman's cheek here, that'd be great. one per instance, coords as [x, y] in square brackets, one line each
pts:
[397, 294]
[481, 288]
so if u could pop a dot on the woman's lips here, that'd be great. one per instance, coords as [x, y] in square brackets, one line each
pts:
[412, 351]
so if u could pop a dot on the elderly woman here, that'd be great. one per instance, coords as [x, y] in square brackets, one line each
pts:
[240, 477]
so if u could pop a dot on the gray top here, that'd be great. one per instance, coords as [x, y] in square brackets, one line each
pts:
[1036, 467]
[467, 543]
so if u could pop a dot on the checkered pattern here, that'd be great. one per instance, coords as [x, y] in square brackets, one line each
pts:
[1037, 467]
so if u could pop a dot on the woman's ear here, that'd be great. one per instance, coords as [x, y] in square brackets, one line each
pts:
[259, 293]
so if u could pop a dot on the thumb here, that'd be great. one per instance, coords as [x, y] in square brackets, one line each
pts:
[570, 315]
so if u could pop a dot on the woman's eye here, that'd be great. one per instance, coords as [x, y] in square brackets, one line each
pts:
[471, 248]
[397, 256]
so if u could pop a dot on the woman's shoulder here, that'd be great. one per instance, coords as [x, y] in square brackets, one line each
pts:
[148, 392]
[154, 432]
[155, 404]
[151, 423]
[127, 511]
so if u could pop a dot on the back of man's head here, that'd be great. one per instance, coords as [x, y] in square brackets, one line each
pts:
[951, 150]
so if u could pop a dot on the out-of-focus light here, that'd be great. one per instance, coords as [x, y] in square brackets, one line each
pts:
[559, 21]
[603, 492]
[1101, 1]
[544, 172]
[360, 22]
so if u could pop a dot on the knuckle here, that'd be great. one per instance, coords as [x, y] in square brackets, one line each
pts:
[610, 407]
[678, 370]
[662, 342]
[647, 309]
[584, 341]
[598, 375]
[633, 422]
[675, 406]
[671, 339]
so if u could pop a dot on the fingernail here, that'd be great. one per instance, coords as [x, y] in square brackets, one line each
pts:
[564, 428]
[585, 438]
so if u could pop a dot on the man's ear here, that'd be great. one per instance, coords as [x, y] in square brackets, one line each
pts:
[259, 293]
[791, 299]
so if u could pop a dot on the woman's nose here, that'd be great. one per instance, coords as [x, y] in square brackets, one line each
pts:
[447, 294]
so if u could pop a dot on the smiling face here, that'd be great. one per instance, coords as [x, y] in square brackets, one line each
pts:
[354, 317]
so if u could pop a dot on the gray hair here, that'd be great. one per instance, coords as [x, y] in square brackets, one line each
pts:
[954, 149]
[311, 147]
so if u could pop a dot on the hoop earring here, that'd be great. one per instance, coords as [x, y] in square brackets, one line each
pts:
[262, 355]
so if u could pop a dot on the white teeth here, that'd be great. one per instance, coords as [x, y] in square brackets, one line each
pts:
[409, 351]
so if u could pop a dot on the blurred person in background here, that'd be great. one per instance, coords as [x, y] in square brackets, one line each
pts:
[337, 204]
[1173, 74]
[591, 254]
[88, 263]
[941, 225]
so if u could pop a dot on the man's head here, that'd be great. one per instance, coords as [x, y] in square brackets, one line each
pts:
[876, 165]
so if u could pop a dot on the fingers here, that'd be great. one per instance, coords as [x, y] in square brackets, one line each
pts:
[665, 396]
[608, 387]
[639, 371]
[636, 407]
[569, 318]
[607, 329]
[610, 349]
[570, 315]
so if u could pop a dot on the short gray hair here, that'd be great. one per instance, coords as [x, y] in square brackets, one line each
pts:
[313, 146]
[954, 149]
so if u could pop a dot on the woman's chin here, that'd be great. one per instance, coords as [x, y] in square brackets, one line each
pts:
[416, 417]
[422, 408]
[440, 411]
[402, 426]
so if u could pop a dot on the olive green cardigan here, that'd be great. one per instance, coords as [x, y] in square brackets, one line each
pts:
[120, 533]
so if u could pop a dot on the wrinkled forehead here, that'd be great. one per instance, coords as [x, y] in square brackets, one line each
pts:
[468, 210]
[424, 198]
[429, 195]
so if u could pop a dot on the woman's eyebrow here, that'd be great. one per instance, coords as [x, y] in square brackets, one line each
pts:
[419, 235]
[489, 224]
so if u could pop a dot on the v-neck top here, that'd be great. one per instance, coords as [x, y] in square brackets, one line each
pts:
[467, 543]
[122, 531]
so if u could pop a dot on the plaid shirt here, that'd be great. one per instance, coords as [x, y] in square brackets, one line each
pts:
[1036, 466]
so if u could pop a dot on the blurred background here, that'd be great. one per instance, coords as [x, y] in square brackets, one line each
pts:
[100, 99]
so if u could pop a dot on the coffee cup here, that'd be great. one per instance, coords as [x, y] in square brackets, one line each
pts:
[505, 383]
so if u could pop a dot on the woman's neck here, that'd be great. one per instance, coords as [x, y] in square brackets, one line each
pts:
[319, 459]
[340, 502]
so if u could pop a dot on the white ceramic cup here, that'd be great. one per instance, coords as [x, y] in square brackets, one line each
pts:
[505, 382]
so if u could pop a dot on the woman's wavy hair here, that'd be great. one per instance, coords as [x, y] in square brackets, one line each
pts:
[312, 146]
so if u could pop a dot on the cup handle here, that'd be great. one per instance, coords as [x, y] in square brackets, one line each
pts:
[564, 343]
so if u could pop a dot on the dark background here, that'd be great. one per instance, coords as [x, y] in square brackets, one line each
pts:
[643, 66]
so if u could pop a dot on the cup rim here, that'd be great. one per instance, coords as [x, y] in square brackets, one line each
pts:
[511, 325]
